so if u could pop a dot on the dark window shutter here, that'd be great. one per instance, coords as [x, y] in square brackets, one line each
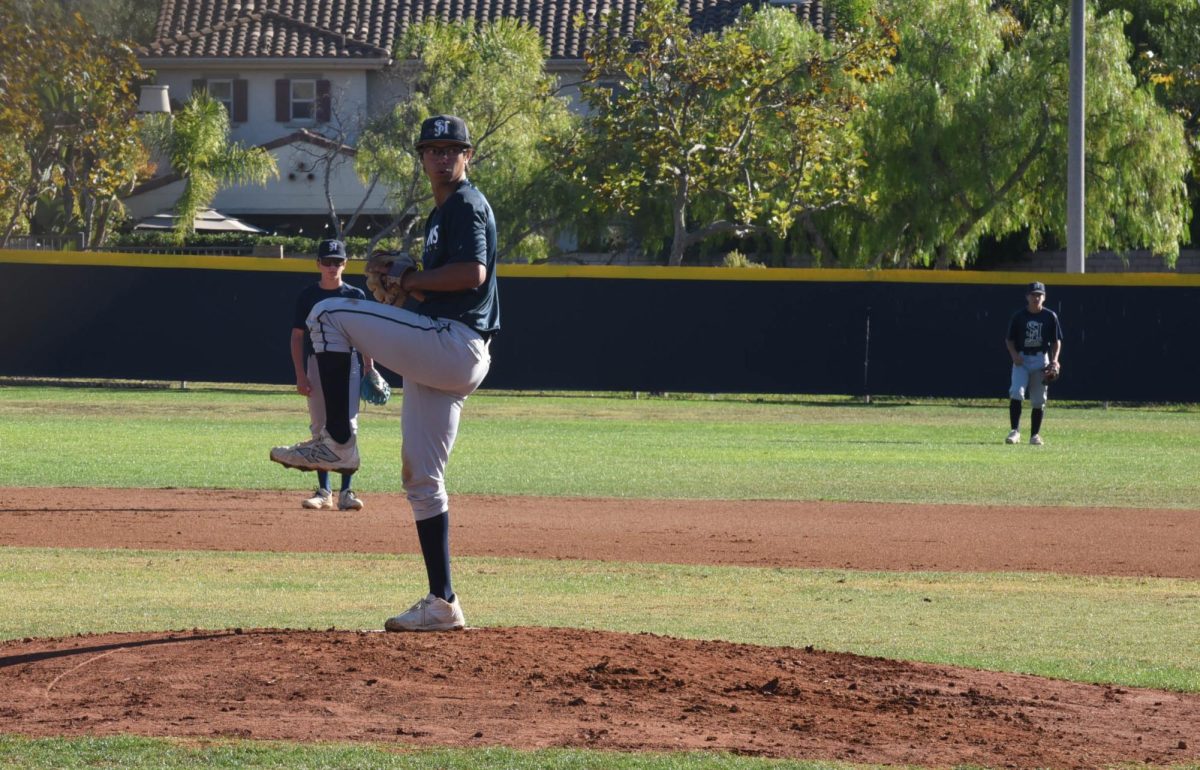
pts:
[283, 101]
[199, 86]
[239, 101]
[324, 106]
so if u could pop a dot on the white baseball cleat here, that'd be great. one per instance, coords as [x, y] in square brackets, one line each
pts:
[322, 498]
[1035, 439]
[319, 454]
[348, 501]
[433, 613]
[1014, 437]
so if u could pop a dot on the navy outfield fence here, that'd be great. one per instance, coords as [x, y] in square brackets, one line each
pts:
[1128, 337]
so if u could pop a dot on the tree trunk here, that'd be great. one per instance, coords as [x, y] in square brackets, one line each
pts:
[87, 215]
[942, 260]
[679, 220]
[102, 222]
[828, 258]
[358, 210]
[333, 215]
[12, 225]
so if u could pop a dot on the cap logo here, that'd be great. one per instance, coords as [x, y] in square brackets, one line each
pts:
[441, 127]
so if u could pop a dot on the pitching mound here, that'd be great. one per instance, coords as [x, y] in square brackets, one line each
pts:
[536, 687]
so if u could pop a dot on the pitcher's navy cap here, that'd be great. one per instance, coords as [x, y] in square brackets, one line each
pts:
[444, 128]
[1037, 287]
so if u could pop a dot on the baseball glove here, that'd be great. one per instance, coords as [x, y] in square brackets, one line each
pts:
[384, 271]
[1051, 373]
[374, 389]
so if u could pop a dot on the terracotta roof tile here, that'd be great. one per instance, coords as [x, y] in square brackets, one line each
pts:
[353, 29]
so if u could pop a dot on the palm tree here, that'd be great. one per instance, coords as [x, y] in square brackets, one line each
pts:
[196, 143]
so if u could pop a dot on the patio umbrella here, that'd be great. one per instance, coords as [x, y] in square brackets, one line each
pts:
[206, 221]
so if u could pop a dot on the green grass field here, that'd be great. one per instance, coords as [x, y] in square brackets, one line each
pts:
[150, 754]
[1130, 631]
[622, 447]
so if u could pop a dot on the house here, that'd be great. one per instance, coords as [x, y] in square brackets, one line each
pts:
[301, 77]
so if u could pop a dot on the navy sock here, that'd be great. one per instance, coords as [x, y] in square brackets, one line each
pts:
[1035, 419]
[1014, 413]
[434, 535]
[335, 382]
[346, 480]
[323, 479]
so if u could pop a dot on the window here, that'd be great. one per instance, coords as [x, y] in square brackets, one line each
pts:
[304, 99]
[230, 92]
[222, 91]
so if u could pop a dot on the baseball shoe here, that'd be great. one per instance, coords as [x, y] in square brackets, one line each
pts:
[1035, 439]
[1014, 437]
[319, 454]
[433, 613]
[348, 501]
[322, 498]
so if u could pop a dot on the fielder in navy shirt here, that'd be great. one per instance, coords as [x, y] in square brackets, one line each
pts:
[1034, 342]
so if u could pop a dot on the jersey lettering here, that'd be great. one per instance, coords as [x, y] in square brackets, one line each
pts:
[431, 240]
[1033, 334]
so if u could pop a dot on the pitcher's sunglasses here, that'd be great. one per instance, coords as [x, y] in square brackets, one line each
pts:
[331, 261]
[444, 152]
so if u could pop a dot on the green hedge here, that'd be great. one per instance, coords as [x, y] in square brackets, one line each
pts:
[357, 247]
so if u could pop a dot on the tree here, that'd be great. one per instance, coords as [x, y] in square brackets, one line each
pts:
[196, 143]
[1166, 36]
[968, 139]
[493, 76]
[333, 157]
[723, 134]
[67, 125]
[115, 20]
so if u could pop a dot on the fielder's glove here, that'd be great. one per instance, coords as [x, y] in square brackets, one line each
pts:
[384, 271]
[1051, 373]
[374, 389]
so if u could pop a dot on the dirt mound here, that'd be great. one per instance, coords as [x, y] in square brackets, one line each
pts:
[537, 687]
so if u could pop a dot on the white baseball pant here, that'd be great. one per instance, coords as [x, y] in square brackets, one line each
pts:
[442, 362]
[1029, 377]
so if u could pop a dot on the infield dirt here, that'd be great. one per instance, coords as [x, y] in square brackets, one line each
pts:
[539, 687]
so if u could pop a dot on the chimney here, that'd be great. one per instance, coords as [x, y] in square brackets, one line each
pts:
[154, 99]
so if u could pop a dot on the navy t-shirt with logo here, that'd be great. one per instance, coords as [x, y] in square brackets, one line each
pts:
[1034, 332]
[313, 294]
[462, 229]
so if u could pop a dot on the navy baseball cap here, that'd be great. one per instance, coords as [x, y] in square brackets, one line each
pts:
[444, 128]
[331, 248]
[1037, 287]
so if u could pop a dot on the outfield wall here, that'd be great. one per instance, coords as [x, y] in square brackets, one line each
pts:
[912, 332]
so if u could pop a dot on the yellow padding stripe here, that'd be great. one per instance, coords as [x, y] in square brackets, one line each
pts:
[659, 273]
[170, 261]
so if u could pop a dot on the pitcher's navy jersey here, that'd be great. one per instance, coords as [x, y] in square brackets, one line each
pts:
[462, 229]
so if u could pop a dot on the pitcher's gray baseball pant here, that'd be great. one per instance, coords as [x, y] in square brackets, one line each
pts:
[442, 362]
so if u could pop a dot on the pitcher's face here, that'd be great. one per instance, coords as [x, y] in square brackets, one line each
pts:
[445, 162]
